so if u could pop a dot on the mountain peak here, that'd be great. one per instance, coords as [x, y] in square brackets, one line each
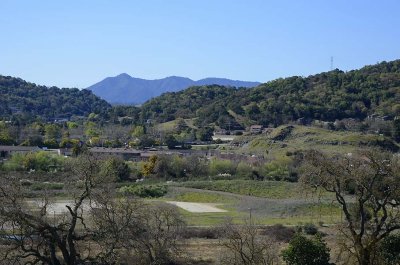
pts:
[123, 75]
[125, 89]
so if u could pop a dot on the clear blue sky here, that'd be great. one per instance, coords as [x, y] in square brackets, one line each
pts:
[78, 43]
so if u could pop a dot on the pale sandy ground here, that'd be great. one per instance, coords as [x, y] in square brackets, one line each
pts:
[196, 207]
[58, 207]
[223, 137]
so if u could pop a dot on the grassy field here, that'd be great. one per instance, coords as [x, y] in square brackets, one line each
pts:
[265, 189]
[171, 125]
[281, 141]
[280, 203]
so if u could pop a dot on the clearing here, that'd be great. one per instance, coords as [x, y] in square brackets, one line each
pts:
[197, 207]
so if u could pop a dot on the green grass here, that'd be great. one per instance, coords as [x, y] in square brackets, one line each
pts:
[265, 189]
[303, 138]
[276, 203]
[171, 125]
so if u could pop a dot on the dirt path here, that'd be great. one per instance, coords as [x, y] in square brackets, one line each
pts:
[195, 207]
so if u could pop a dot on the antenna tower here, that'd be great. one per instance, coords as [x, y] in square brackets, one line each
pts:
[331, 63]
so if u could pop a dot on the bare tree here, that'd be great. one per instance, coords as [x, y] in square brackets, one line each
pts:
[367, 188]
[149, 233]
[35, 235]
[158, 232]
[244, 245]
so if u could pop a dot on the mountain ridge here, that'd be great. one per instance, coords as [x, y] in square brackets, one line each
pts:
[327, 96]
[125, 89]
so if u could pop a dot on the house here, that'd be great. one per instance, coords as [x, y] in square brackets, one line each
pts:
[65, 152]
[9, 150]
[268, 130]
[124, 153]
[60, 120]
[220, 132]
[256, 129]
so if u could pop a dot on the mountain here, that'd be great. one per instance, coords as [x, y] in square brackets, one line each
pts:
[329, 96]
[24, 101]
[125, 89]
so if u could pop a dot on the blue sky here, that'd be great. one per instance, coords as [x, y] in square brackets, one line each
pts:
[78, 43]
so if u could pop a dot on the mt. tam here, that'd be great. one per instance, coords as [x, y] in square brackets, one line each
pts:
[124, 89]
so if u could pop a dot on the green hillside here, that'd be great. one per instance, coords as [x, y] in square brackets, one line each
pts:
[23, 101]
[326, 96]
[287, 140]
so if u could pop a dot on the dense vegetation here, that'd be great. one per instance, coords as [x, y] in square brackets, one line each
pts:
[326, 96]
[330, 96]
[25, 102]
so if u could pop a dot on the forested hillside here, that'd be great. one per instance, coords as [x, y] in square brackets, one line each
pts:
[327, 96]
[27, 101]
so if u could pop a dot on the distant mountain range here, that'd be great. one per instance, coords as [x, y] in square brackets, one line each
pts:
[124, 89]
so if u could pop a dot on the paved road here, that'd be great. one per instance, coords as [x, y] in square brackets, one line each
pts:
[196, 207]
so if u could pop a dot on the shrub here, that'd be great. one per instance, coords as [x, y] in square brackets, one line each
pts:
[389, 249]
[302, 250]
[145, 191]
[222, 167]
[276, 170]
[279, 233]
[200, 232]
[310, 229]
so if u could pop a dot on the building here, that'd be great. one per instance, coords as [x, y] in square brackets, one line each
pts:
[8, 150]
[124, 153]
[256, 129]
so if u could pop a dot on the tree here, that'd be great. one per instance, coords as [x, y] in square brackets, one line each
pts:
[148, 167]
[371, 213]
[396, 130]
[36, 237]
[148, 233]
[171, 142]
[302, 251]
[118, 168]
[146, 141]
[138, 131]
[155, 236]
[204, 134]
[245, 246]
[52, 132]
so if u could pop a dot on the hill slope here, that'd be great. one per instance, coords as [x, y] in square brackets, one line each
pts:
[125, 89]
[326, 96]
[27, 101]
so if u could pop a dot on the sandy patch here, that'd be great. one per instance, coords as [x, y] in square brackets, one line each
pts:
[196, 207]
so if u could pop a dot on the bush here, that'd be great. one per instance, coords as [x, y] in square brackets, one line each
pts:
[145, 191]
[276, 170]
[244, 171]
[118, 168]
[279, 233]
[222, 167]
[200, 232]
[310, 229]
[39, 161]
[302, 251]
[389, 249]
